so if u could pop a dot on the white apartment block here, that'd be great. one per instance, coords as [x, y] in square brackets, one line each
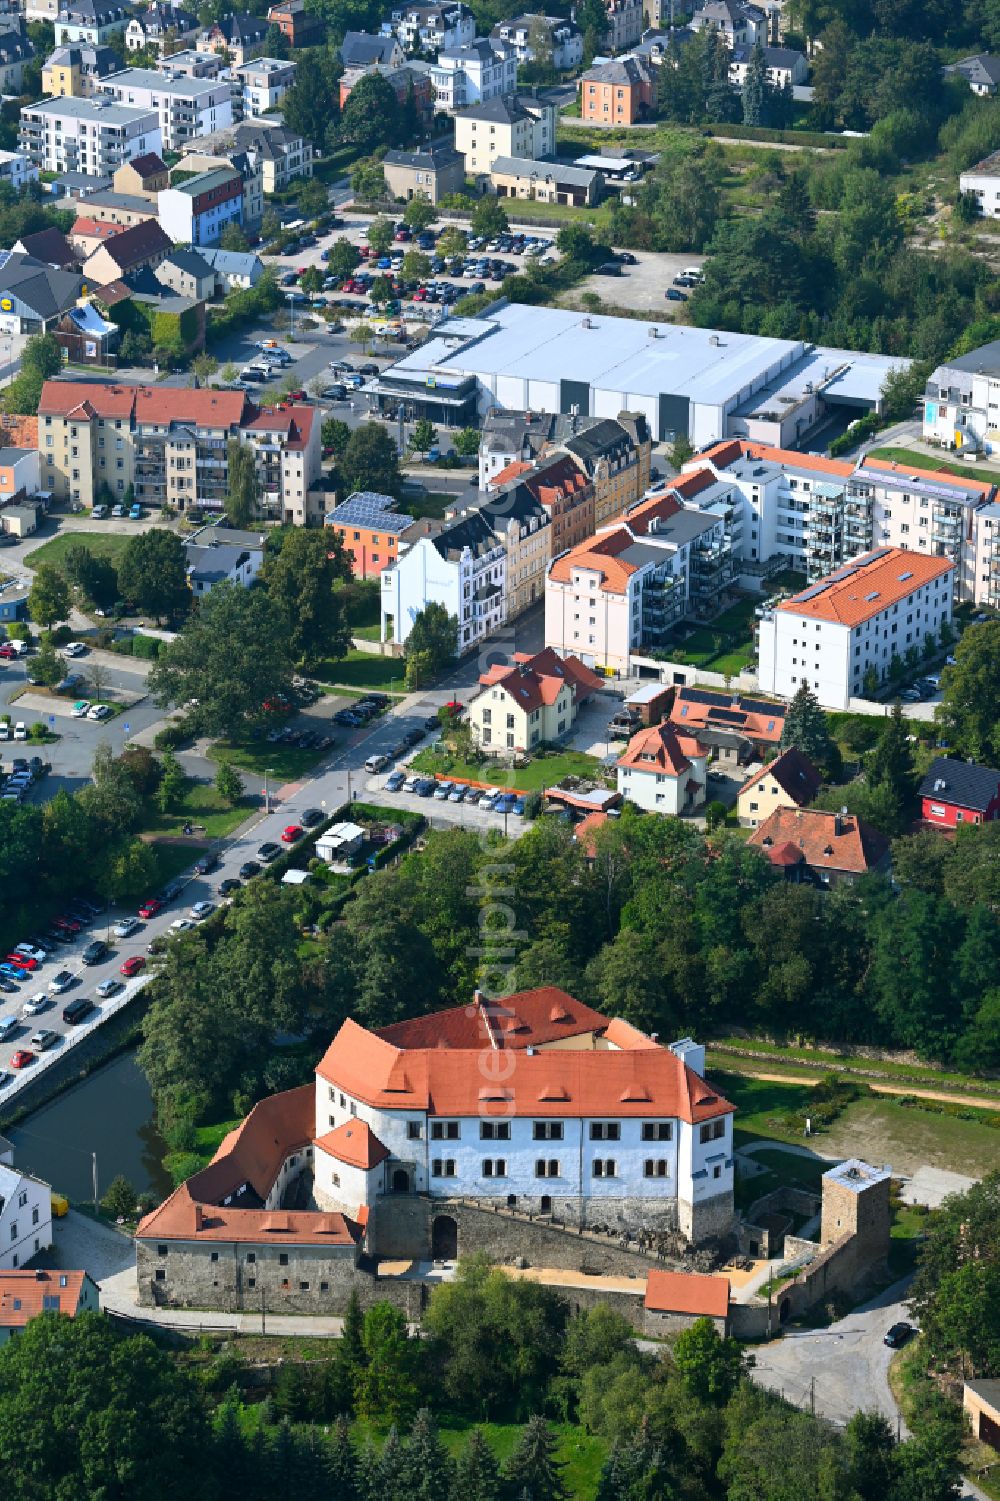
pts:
[984, 181]
[564, 38]
[185, 107]
[263, 85]
[17, 169]
[433, 28]
[25, 1217]
[882, 605]
[95, 136]
[472, 74]
[463, 567]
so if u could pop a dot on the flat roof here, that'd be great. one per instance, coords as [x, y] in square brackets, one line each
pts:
[151, 78]
[100, 108]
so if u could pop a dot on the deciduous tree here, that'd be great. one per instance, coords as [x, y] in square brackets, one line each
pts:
[152, 572]
[48, 599]
[302, 581]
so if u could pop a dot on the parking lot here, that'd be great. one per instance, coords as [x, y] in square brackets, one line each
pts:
[643, 287]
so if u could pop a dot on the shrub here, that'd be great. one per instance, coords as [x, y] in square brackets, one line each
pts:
[38, 731]
[532, 805]
[147, 647]
[18, 631]
[171, 736]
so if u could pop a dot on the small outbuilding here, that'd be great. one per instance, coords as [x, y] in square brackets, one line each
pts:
[674, 1300]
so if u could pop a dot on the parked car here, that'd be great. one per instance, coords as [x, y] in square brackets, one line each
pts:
[62, 981]
[99, 712]
[109, 987]
[75, 1012]
[22, 962]
[898, 1334]
[442, 790]
[376, 763]
[151, 907]
[201, 910]
[30, 951]
[126, 927]
[95, 952]
[44, 1038]
[8, 1026]
[134, 965]
[35, 1004]
[207, 863]
[74, 649]
[249, 869]
[269, 851]
[22, 1058]
[394, 781]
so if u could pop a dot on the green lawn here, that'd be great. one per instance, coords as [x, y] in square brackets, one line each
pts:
[582, 1453]
[201, 804]
[915, 460]
[362, 669]
[534, 777]
[433, 505]
[724, 644]
[102, 544]
[824, 1060]
[282, 763]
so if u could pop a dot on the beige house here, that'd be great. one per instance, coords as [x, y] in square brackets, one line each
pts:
[430, 173]
[119, 208]
[544, 182]
[142, 177]
[790, 781]
[533, 703]
[187, 274]
[127, 251]
[981, 1400]
[519, 127]
[525, 528]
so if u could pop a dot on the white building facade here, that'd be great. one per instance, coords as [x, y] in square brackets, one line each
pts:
[263, 85]
[462, 567]
[983, 181]
[434, 28]
[469, 75]
[185, 107]
[25, 1217]
[95, 136]
[17, 169]
[834, 633]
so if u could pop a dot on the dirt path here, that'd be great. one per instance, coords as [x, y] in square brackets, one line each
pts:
[977, 1102]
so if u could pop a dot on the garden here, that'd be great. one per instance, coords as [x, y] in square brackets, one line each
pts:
[725, 644]
[545, 769]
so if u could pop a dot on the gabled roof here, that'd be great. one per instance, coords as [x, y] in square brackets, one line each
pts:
[688, 1293]
[963, 784]
[827, 841]
[44, 289]
[497, 111]
[138, 244]
[148, 404]
[354, 1143]
[539, 679]
[794, 773]
[662, 751]
[50, 246]
[148, 165]
[624, 72]
[602, 554]
[866, 586]
[359, 48]
[191, 262]
[704, 708]
[26, 1294]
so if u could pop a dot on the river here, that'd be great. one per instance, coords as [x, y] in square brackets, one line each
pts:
[110, 1113]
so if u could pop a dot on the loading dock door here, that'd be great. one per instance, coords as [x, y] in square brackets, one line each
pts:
[674, 418]
[574, 393]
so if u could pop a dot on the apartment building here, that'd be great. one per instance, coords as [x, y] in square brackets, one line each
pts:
[785, 66]
[534, 702]
[300, 26]
[171, 445]
[92, 136]
[460, 565]
[433, 28]
[524, 527]
[263, 84]
[17, 169]
[159, 27]
[90, 21]
[373, 529]
[77, 70]
[15, 50]
[197, 211]
[626, 23]
[615, 452]
[962, 398]
[360, 49]
[25, 1217]
[562, 40]
[855, 621]
[186, 107]
[195, 64]
[618, 92]
[241, 37]
[249, 168]
[430, 172]
[277, 153]
[472, 74]
[122, 209]
[517, 127]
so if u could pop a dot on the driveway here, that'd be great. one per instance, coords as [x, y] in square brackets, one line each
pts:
[841, 1369]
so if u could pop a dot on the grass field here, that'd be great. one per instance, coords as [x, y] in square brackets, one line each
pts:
[362, 669]
[172, 860]
[201, 804]
[282, 763]
[432, 505]
[910, 457]
[824, 1060]
[109, 545]
[582, 1454]
[724, 645]
[534, 777]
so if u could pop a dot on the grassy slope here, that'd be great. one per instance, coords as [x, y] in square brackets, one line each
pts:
[907, 456]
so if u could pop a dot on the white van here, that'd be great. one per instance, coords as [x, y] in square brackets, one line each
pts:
[20, 730]
[376, 763]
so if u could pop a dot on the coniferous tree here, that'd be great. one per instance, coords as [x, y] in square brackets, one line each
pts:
[806, 727]
[891, 762]
[477, 1473]
[428, 1469]
[532, 1468]
[343, 1467]
[755, 88]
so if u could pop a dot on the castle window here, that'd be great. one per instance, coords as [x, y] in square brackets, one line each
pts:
[604, 1167]
[443, 1167]
[546, 1168]
[548, 1131]
[494, 1130]
[251, 1257]
[444, 1131]
[605, 1131]
[657, 1131]
[413, 1130]
[161, 1250]
[283, 1259]
[712, 1130]
[656, 1167]
[251, 1282]
[495, 1167]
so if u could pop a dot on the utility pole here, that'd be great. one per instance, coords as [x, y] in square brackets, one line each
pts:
[812, 1395]
[93, 1159]
[262, 1328]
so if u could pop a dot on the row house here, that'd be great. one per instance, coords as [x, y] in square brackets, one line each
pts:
[186, 107]
[241, 37]
[460, 565]
[523, 526]
[171, 446]
[626, 23]
[616, 453]
[90, 21]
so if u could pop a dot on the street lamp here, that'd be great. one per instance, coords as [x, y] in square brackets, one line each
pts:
[268, 771]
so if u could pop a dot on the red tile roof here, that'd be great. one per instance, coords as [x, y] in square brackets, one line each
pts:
[826, 841]
[600, 554]
[870, 588]
[637, 1081]
[294, 421]
[539, 679]
[696, 709]
[539, 1016]
[731, 449]
[939, 476]
[663, 504]
[354, 1143]
[687, 1292]
[511, 472]
[23, 1294]
[92, 229]
[556, 480]
[17, 431]
[794, 773]
[583, 834]
[159, 405]
[662, 750]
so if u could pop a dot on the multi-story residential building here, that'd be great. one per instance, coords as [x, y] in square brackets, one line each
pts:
[789, 781]
[172, 446]
[519, 127]
[406, 80]
[785, 66]
[433, 28]
[626, 22]
[93, 136]
[534, 702]
[561, 486]
[472, 74]
[614, 452]
[429, 172]
[25, 1217]
[663, 770]
[983, 181]
[123, 209]
[241, 37]
[561, 40]
[126, 252]
[524, 526]
[15, 51]
[186, 107]
[90, 21]
[26, 1294]
[249, 168]
[739, 727]
[194, 64]
[374, 531]
[161, 28]
[17, 169]
[460, 565]
[618, 92]
[740, 25]
[264, 83]
[197, 211]
[853, 623]
[300, 26]
[279, 155]
[76, 71]
[962, 397]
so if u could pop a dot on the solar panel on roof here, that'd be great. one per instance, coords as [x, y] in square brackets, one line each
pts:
[811, 592]
[880, 552]
[703, 696]
[729, 716]
[5, 256]
[759, 706]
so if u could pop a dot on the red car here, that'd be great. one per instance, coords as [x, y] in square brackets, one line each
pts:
[298, 396]
[294, 831]
[22, 1058]
[21, 961]
[68, 924]
[7, 652]
[364, 251]
[277, 705]
[420, 295]
[132, 966]
[150, 908]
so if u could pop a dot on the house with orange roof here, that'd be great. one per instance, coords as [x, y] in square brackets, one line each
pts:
[737, 727]
[789, 781]
[853, 623]
[534, 702]
[674, 1300]
[827, 849]
[534, 1102]
[25, 1295]
[663, 770]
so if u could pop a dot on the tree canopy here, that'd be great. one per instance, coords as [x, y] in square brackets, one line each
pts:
[152, 572]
